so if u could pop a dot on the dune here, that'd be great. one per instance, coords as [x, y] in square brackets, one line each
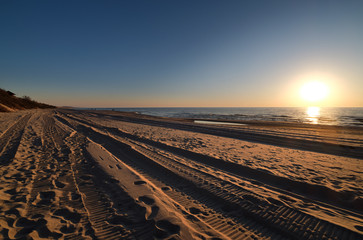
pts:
[11, 103]
[69, 174]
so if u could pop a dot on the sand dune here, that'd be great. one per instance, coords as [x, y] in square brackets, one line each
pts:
[11, 103]
[69, 174]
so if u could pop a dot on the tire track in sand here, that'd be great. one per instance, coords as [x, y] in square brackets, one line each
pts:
[215, 217]
[10, 140]
[287, 221]
[111, 212]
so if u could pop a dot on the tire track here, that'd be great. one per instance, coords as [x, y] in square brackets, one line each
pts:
[10, 140]
[278, 219]
[104, 199]
[320, 193]
[244, 134]
[251, 205]
[216, 221]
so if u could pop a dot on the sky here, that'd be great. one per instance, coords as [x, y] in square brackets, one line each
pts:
[170, 53]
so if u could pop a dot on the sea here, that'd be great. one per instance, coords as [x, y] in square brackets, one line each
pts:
[315, 115]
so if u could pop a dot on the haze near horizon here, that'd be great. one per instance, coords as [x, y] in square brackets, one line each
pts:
[183, 54]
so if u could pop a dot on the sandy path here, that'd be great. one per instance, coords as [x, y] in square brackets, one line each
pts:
[8, 119]
[78, 175]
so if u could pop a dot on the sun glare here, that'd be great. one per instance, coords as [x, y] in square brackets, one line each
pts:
[313, 114]
[314, 91]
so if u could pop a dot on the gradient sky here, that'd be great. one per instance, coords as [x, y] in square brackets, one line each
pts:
[181, 53]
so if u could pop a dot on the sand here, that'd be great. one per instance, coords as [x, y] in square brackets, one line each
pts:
[68, 174]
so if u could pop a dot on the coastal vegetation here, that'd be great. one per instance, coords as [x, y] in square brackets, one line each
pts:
[9, 102]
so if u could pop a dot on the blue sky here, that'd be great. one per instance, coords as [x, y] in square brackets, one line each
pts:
[181, 53]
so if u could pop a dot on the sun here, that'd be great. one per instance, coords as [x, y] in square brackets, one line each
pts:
[314, 91]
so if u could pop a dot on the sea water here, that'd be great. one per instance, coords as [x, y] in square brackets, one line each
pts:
[314, 115]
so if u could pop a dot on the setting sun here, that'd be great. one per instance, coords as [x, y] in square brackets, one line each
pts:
[314, 91]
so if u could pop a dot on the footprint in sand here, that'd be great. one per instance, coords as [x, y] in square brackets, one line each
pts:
[139, 182]
[165, 229]
[58, 184]
[24, 222]
[150, 212]
[113, 180]
[12, 211]
[45, 198]
[147, 200]
[29, 226]
[165, 189]
[74, 196]
[74, 217]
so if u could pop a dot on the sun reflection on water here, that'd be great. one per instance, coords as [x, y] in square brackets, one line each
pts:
[313, 114]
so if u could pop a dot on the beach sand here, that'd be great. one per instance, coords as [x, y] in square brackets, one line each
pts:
[68, 174]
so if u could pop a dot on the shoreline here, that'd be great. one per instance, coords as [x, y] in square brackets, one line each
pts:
[341, 140]
[325, 116]
[250, 122]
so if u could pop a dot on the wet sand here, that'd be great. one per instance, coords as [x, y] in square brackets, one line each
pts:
[68, 174]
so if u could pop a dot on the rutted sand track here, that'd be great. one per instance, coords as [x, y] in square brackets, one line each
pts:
[220, 186]
[74, 175]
